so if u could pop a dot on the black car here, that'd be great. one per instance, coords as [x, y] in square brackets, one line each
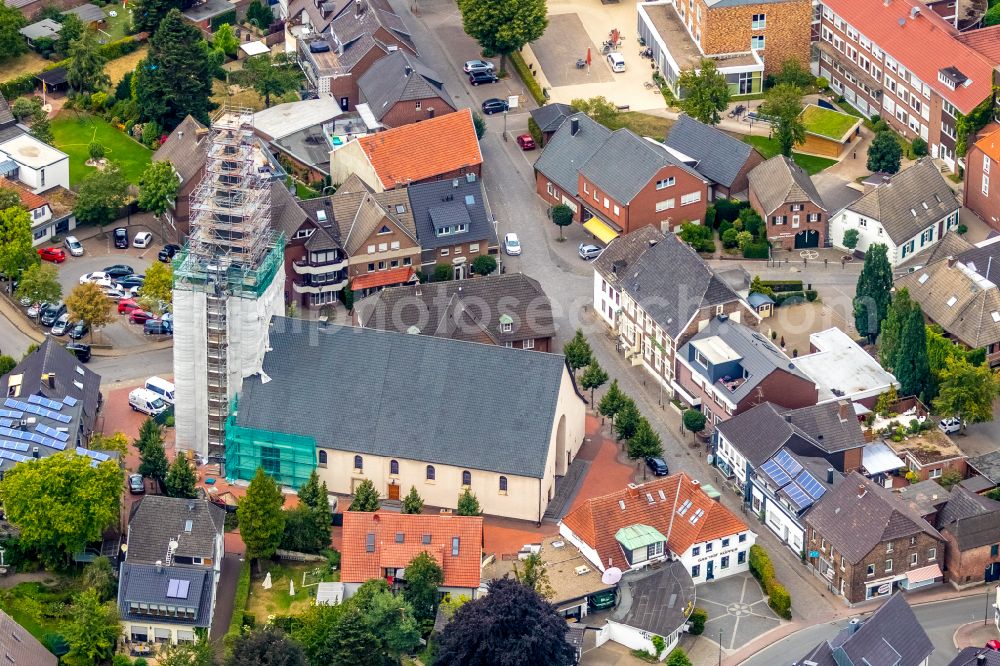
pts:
[157, 327]
[51, 313]
[494, 105]
[658, 466]
[118, 271]
[482, 76]
[80, 350]
[79, 330]
[121, 238]
[168, 252]
[130, 281]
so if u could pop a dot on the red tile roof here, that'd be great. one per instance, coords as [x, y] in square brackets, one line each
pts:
[423, 150]
[989, 142]
[30, 200]
[392, 276]
[358, 565]
[924, 45]
[597, 520]
[985, 40]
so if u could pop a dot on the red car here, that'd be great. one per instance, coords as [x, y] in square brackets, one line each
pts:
[52, 254]
[140, 316]
[993, 645]
[526, 142]
[126, 306]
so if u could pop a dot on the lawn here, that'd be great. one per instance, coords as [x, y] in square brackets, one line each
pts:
[115, 27]
[277, 600]
[42, 609]
[769, 148]
[116, 69]
[644, 124]
[26, 63]
[827, 123]
[74, 131]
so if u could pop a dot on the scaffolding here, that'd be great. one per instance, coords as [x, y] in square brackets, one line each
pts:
[287, 458]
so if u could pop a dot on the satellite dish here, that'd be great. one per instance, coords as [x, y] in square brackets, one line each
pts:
[611, 575]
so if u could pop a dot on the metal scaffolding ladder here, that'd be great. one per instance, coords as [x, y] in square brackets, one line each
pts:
[217, 365]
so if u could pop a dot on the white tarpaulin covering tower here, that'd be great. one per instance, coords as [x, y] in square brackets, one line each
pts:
[226, 284]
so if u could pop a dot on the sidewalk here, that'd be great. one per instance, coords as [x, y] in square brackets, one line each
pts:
[975, 634]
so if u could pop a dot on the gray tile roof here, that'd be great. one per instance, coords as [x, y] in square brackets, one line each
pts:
[6, 117]
[308, 146]
[400, 77]
[924, 497]
[356, 34]
[899, 204]
[720, 156]
[892, 636]
[950, 245]
[988, 465]
[19, 648]
[441, 308]
[778, 181]
[144, 583]
[566, 153]
[440, 203]
[858, 515]
[157, 520]
[550, 117]
[87, 13]
[186, 149]
[758, 357]
[373, 400]
[972, 519]
[655, 599]
[286, 214]
[664, 275]
[970, 657]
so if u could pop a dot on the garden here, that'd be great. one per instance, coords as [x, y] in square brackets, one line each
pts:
[74, 131]
[293, 588]
[43, 607]
[827, 122]
[769, 147]
[739, 227]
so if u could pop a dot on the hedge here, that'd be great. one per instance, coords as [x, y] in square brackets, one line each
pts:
[758, 250]
[778, 597]
[536, 132]
[710, 217]
[791, 297]
[778, 286]
[528, 78]
[216, 22]
[239, 604]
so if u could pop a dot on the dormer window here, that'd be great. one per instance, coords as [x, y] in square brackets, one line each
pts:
[506, 323]
[641, 543]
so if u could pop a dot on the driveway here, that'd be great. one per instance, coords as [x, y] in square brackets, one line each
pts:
[226, 593]
[737, 608]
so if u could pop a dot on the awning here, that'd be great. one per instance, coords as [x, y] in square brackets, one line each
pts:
[923, 574]
[601, 231]
[878, 458]
[387, 278]
[255, 48]
[860, 410]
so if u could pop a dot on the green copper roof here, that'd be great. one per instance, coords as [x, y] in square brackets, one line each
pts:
[638, 536]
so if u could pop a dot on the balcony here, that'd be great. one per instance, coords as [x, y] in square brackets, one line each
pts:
[306, 267]
[303, 287]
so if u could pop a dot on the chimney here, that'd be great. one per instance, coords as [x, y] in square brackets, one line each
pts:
[914, 12]
[829, 475]
[430, 112]
[34, 452]
[407, 70]
[180, 134]
[853, 625]
[574, 126]
[723, 317]
[52, 380]
[788, 418]
[981, 659]
[844, 410]
[861, 490]
[951, 262]
[159, 566]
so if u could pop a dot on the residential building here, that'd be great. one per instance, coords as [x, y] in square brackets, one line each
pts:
[550, 117]
[892, 633]
[866, 544]
[986, 466]
[440, 148]
[930, 454]
[901, 61]
[843, 370]
[171, 569]
[208, 15]
[382, 544]
[186, 149]
[926, 498]
[657, 189]
[721, 158]
[9, 128]
[785, 197]
[400, 89]
[970, 525]
[454, 224]
[655, 602]
[19, 647]
[655, 293]
[984, 155]
[728, 368]
[46, 29]
[51, 214]
[39, 166]
[509, 310]
[958, 291]
[978, 656]
[398, 439]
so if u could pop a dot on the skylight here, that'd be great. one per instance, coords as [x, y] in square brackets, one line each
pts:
[177, 589]
[922, 278]
[685, 506]
[996, 316]
[321, 215]
[952, 301]
[697, 515]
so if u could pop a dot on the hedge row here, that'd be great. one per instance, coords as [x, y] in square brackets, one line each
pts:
[795, 297]
[762, 569]
[240, 604]
[778, 286]
[528, 78]
[758, 250]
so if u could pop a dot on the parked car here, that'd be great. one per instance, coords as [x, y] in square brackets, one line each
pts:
[142, 239]
[525, 142]
[126, 305]
[51, 313]
[35, 309]
[616, 61]
[80, 350]
[118, 271]
[74, 246]
[121, 238]
[145, 401]
[100, 278]
[54, 254]
[116, 293]
[162, 388]
[658, 466]
[140, 316]
[79, 330]
[131, 281]
[61, 325]
[157, 327]
[136, 486]
[494, 105]
[589, 251]
[478, 76]
[949, 426]
[511, 245]
[477, 65]
[168, 252]
[993, 644]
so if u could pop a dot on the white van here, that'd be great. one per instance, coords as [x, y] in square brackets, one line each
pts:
[145, 401]
[162, 388]
[616, 61]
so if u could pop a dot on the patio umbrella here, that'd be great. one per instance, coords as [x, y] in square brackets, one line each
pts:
[588, 56]
[611, 575]
[614, 36]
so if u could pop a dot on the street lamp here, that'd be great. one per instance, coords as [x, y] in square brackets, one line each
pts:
[505, 124]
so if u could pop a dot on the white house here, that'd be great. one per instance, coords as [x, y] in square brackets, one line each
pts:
[39, 166]
[907, 212]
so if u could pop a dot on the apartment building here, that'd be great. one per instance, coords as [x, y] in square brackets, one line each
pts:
[902, 61]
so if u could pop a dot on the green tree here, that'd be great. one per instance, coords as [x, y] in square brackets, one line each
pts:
[503, 26]
[600, 109]
[61, 503]
[677, 657]
[873, 292]
[967, 391]
[443, 273]
[174, 80]
[92, 631]
[366, 498]
[992, 16]
[851, 238]
[303, 532]
[41, 129]
[116, 442]
[706, 92]
[533, 574]
[911, 366]
[413, 503]
[757, 286]
[484, 264]
[9, 198]
[180, 480]
[577, 351]
[562, 216]
[793, 73]
[612, 401]
[87, 303]
[72, 29]
[16, 250]
[389, 617]
[480, 124]
[153, 462]
[627, 419]
[85, 72]
[892, 327]
[157, 289]
[468, 504]
[950, 478]
[11, 41]
[149, 431]
[593, 377]
[40, 284]
[644, 443]
[100, 195]
[7, 363]
[262, 522]
[315, 522]
[96, 151]
[147, 14]
[784, 104]
[225, 39]
[158, 187]
[270, 76]
[694, 420]
[884, 153]
[198, 653]
[266, 646]
[25, 108]
[99, 576]
[259, 15]
[423, 577]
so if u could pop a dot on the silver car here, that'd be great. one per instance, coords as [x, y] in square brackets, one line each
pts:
[73, 246]
[589, 251]
[61, 327]
[511, 245]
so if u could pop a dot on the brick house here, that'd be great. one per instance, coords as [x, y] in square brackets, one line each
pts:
[981, 162]
[655, 293]
[865, 543]
[930, 454]
[549, 117]
[649, 187]
[399, 89]
[721, 158]
[785, 197]
[970, 524]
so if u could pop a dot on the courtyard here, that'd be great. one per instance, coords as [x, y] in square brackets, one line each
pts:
[737, 611]
[74, 131]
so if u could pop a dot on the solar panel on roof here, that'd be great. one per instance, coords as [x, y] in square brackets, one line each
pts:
[70, 401]
[797, 496]
[52, 432]
[45, 402]
[12, 414]
[16, 457]
[787, 462]
[48, 413]
[6, 423]
[775, 472]
[810, 484]
[96, 455]
[13, 404]
[13, 446]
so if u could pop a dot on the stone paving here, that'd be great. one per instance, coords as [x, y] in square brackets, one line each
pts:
[564, 41]
[737, 610]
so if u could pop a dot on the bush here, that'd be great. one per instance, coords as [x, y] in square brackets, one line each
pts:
[811, 295]
[728, 209]
[536, 133]
[762, 569]
[240, 604]
[121, 660]
[789, 297]
[710, 217]
[698, 619]
[527, 77]
[778, 286]
[919, 147]
[95, 150]
[699, 236]
[962, 229]
[758, 250]
[780, 601]
[729, 238]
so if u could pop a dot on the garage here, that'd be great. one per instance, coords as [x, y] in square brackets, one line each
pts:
[807, 238]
